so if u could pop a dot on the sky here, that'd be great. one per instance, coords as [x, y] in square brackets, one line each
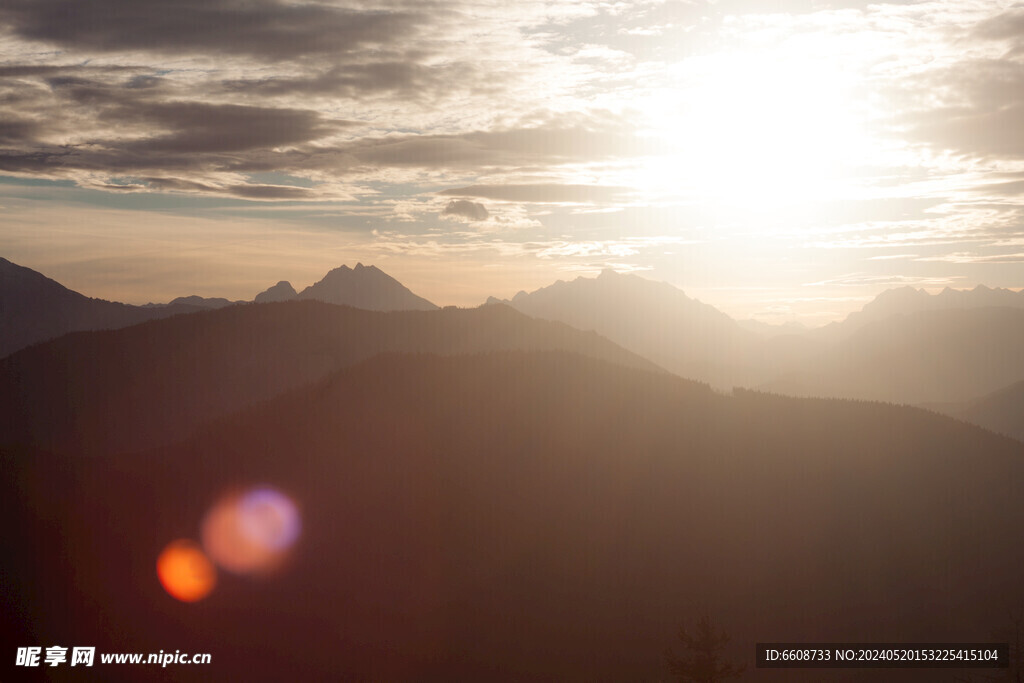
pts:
[779, 159]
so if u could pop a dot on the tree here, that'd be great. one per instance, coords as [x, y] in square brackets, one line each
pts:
[701, 660]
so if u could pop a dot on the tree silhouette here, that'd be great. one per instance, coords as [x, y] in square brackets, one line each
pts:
[701, 660]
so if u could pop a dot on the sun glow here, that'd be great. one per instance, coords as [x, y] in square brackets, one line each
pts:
[757, 129]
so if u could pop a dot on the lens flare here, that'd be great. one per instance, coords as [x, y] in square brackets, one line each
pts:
[251, 532]
[269, 518]
[185, 571]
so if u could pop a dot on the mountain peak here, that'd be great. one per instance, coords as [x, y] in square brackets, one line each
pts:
[366, 287]
[282, 291]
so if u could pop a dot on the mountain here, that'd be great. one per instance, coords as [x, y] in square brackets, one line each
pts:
[655, 320]
[365, 287]
[933, 356]
[528, 516]
[34, 308]
[282, 291]
[204, 302]
[908, 300]
[1001, 411]
[131, 388]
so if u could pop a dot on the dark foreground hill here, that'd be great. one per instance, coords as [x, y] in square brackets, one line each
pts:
[132, 388]
[537, 516]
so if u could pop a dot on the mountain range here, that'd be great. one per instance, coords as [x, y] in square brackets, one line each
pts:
[947, 350]
[34, 308]
[906, 346]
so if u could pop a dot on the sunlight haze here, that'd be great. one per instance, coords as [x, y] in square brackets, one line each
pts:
[785, 161]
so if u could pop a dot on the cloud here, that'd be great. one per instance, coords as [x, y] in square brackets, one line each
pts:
[461, 208]
[863, 279]
[562, 140]
[547, 193]
[264, 29]
[974, 107]
[211, 128]
[970, 258]
[1006, 26]
[106, 128]
[1011, 188]
[408, 78]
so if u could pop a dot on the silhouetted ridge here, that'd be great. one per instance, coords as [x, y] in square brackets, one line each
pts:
[365, 287]
[151, 383]
[908, 300]
[282, 291]
[34, 308]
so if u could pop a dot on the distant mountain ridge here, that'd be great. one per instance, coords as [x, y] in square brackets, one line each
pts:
[654, 319]
[908, 300]
[34, 308]
[1001, 411]
[198, 302]
[930, 356]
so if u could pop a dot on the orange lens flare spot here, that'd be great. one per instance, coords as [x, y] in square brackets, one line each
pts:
[185, 571]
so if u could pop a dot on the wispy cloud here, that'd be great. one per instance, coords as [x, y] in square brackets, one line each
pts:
[566, 135]
[881, 281]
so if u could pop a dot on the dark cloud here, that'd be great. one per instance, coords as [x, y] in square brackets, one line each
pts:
[540, 193]
[195, 139]
[139, 119]
[14, 130]
[270, 192]
[152, 135]
[145, 184]
[462, 208]
[266, 29]
[409, 78]
[23, 70]
[202, 127]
